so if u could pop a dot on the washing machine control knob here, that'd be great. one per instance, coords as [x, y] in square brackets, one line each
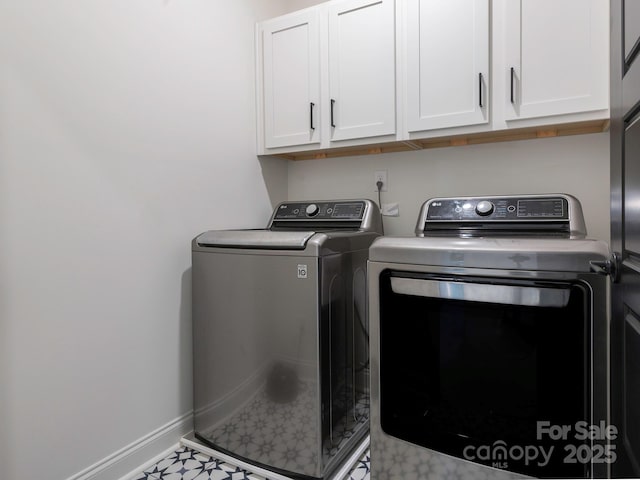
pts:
[312, 210]
[484, 208]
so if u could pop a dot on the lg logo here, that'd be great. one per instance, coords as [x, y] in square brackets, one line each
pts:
[302, 271]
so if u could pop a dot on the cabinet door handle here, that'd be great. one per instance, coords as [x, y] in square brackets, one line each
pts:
[480, 102]
[513, 72]
[333, 102]
[311, 105]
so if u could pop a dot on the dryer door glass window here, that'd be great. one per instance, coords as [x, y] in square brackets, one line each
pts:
[471, 364]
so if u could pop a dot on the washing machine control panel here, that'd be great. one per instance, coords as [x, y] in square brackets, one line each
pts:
[321, 211]
[516, 209]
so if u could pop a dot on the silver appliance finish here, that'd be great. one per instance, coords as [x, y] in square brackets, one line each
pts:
[281, 357]
[526, 256]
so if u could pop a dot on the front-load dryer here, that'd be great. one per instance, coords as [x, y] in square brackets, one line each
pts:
[489, 343]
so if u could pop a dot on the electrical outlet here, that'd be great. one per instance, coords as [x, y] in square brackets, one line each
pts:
[380, 176]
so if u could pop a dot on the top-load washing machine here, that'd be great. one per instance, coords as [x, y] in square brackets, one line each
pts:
[280, 337]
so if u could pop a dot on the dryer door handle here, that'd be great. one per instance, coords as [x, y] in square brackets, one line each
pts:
[482, 292]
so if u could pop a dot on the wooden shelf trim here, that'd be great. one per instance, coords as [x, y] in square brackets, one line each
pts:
[548, 131]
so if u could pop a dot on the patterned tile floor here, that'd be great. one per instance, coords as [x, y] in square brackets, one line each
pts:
[188, 464]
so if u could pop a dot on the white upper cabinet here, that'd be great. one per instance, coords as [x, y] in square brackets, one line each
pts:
[291, 82]
[401, 74]
[326, 76]
[556, 57]
[447, 63]
[362, 69]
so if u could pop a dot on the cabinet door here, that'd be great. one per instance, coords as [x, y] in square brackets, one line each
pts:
[557, 57]
[291, 63]
[631, 29]
[362, 68]
[447, 63]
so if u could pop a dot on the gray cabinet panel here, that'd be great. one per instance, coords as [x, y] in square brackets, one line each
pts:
[625, 236]
[632, 187]
[632, 391]
[631, 25]
[631, 285]
[631, 87]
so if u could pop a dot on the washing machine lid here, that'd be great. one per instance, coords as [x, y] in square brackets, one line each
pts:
[255, 239]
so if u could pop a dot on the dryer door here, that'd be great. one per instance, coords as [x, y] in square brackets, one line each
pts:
[484, 369]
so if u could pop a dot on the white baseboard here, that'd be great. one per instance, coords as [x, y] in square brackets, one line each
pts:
[135, 457]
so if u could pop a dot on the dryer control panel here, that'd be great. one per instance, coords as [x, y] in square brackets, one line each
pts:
[538, 215]
[498, 208]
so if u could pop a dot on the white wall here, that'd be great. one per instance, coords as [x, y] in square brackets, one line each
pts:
[578, 165]
[126, 128]
[293, 5]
